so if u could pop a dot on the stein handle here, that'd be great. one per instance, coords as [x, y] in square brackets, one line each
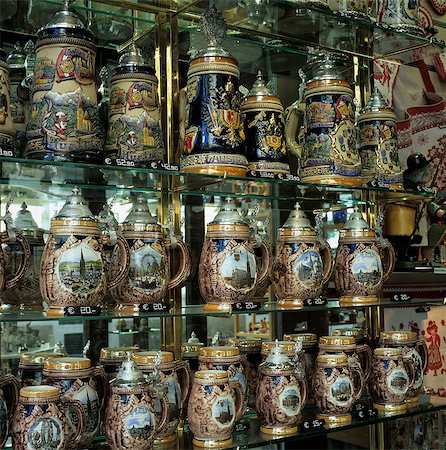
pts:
[24, 264]
[182, 102]
[389, 260]
[124, 262]
[267, 260]
[411, 371]
[328, 262]
[357, 369]
[164, 412]
[185, 381]
[101, 385]
[293, 118]
[239, 398]
[184, 268]
[78, 409]
[368, 356]
[303, 391]
[422, 350]
[11, 399]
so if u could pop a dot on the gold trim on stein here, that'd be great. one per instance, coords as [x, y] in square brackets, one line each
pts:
[390, 409]
[279, 431]
[332, 419]
[232, 165]
[269, 166]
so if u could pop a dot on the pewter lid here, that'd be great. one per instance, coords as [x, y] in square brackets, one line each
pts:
[24, 220]
[297, 220]
[228, 214]
[192, 345]
[376, 102]
[66, 18]
[107, 220]
[356, 221]
[278, 359]
[16, 59]
[260, 88]
[129, 375]
[140, 213]
[75, 207]
[132, 56]
[327, 71]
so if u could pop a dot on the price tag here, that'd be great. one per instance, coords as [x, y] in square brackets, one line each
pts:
[425, 189]
[401, 297]
[246, 306]
[82, 311]
[311, 425]
[274, 176]
[154, 307]
[120, 162]
[164, 166]
[365, 413]
[241, 426]
[377, 184]
[155, 165]
[315, 301]
[7, 153]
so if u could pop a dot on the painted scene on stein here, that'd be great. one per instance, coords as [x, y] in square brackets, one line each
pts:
[309, 269]
[290, 401]
[239, 269]
[367, 268]
[342, 391]
[140, 422]
[45, 434]
[223, 410]
[147, 268]
[89, 399]
[398, 381]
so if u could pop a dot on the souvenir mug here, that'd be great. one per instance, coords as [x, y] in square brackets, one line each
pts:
[215, 403]
[303, 261]
[190, 351]
[149, 278]
[77, 380]
[363, 262]
[281, 394]
[64, 120]
[7, 127]
[9, 389]
[262, 116]
[41, 420]
[131, 420]
[111, 359]
[214, 137]
[414, 349]
[337, 384]
[400, 15]
[134, 131]
[73, 267]
[392, 376]
[228, 271]
[176, 376]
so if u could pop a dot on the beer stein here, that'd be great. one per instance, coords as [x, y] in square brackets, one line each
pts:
[288, 348]
[131, 420]
[43, 421]
[215, 403]
[73, 267]
[262, 116]
[7, 127]
[190, 351]
[64, 119]
[392, 376]
[176, 376]
[228, 271]
[149, 277]
[303, 261]
[363, 262]
[77, 380]
[378, 144]
[400, 15]
[414, 349]
[281, 394]
[337, 384]
[134, 131]
[214, 136]
[111, 359]
[9, 388]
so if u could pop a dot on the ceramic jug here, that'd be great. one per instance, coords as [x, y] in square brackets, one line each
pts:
[190, 351]
[131, 420]
[378, 144]
[281, 394]
[149, 276]
[337, 384]
[228, 271]
[73, 266]
[41, 420]
[303, 261]
[64, 120]
[7, 127]
[134, 131]
[9, 389]
[78, 380]
[392, 376]
[176, 376]
[263, 121]
[414, 349]
[111, 359]
[400, 15]
[215, 403]
[363, 262]
[214, 140]
[327, 141]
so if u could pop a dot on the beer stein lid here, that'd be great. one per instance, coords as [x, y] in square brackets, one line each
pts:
[75, 208]
[107, 220]
[117, 352]
[132, 56]
[16, 59]
[193, 344]
[337, 340]
[39, 358]
[39, 391]
[228, 214]
[277, 359]
[401, 335]
[286, 346]
[129, 375]
[245, 343]
[332, 358]
[357, 333]
[140, 213]
[150, 357]
[356, 221]
[260, 88]
[382, 351]
[376, 102]
[297, 220]
[211, 374]
[219, 350]
[326, 71]
[307, 338]
[67, 363]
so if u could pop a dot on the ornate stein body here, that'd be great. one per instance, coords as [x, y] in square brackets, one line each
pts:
[413, 349]
[303, 262]
[363, 262]
[41, 420]
[281, 394]
[134, 131]
[7, 127]
[337, 384]
[77, 380]
[64, 121]
[228, 271]
[8, 385]
[215, 403]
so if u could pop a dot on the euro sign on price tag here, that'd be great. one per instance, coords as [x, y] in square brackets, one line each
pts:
[82, 311]
[154, 307]
[311, 425]
[246, 306]
[401, 297]
[315, 301]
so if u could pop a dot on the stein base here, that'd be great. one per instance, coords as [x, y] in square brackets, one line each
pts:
[218, 307]
[218, 170]
[21, 307]
[166, 439]
[411, 401]
[290, 303]
[335, 419]
[333, 180]
[358, 300]
[278, 431]
[212, 443]
[389, 409]
[55, 311]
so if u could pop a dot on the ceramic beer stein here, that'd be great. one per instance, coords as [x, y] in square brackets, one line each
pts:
[363, 262]
[41, 420]
[190, 351]
[77, 380]
[400, 15]
[288, 348]
[64, 120]
[131, 421]
[337, 384]
[9, 389]
[149, 277]
[414, 349]
[111, 359]
[281, 394]
[303, 262]
[176, 376]
[327, 142]
[215, 403]
[262, 116]
[214, 136]
[7, 127]
[378, 144]
[134, 131]
[73, 266]
[228, 271]
[392, 376]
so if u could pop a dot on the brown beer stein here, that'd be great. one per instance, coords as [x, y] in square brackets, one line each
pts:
[9, 388]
